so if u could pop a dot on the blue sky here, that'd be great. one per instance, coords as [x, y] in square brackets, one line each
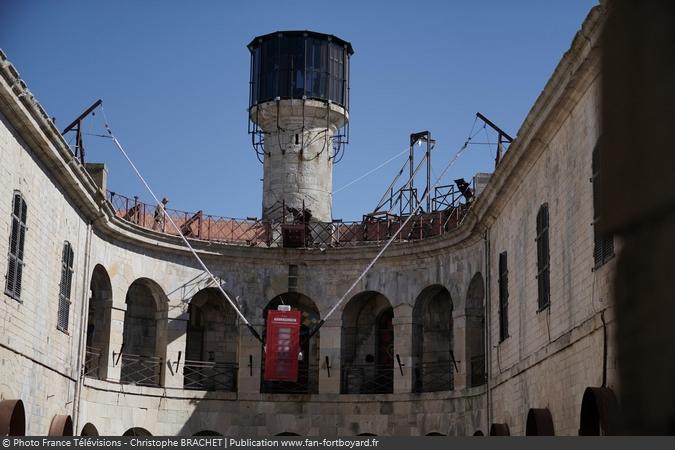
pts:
[174, 80]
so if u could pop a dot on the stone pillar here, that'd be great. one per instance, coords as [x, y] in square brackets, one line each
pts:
[459, 350]
[331, 339]
[175, 352]
[403, 330]
[250, 358]
[113, 370]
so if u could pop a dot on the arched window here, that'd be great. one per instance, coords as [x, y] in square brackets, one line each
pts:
[65, 287]
[475, 332]
[16, 242]
[145, 329]
[211, 343]
[367, 360]
[543, 258]
[308, 359]
[98, 324]
[434, 362]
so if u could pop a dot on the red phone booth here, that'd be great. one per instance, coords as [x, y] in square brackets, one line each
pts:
[282, 345]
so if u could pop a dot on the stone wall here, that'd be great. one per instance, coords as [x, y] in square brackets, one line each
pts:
[547, 361]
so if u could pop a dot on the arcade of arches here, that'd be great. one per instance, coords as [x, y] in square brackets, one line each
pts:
[370, 353]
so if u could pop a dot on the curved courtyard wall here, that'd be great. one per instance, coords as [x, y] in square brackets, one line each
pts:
[113, 375]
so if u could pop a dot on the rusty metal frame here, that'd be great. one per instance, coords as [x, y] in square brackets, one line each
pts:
[500, 429]
[539, 422]
[12, 418]
[62, 425]
[599, 412]
[299, 232]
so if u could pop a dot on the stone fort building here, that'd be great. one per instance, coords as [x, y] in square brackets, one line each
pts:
[492, 317]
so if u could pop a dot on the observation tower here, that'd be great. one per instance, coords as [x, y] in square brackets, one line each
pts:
[299, 120]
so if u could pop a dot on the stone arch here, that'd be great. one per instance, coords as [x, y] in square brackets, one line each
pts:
[599, 412]
[12, 418]
[475, 331]
[478, 433]
[539, 422]
[366, 434]
[434, 433]
[137, 431]
[287, 433]
[367, 349]
[62, 425]
[207, 433]
[211, 343]
[98, 324]
[145, 334]
[308, 362]
[433, 363]
[89, 430]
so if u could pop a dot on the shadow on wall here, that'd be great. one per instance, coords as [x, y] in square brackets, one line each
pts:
[638, 108]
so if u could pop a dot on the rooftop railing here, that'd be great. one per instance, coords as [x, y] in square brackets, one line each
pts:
[289, 233]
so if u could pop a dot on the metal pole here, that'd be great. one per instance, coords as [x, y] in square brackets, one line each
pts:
[411, 163]
[429, 171]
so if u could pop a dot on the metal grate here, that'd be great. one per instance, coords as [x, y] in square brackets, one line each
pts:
[265, 233]
[367, 379]
[92, 362]
[141, 370]
[434, 376]
[210, 376]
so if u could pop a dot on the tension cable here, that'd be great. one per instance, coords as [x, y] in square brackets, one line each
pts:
[180, 233]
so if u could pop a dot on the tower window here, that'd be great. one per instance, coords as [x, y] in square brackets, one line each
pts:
[603, 248]
[503, 297]
[543, 257]
[16, 242]
[65, 287]
[292, 277]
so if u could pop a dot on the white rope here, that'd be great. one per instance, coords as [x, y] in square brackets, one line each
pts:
[393, 237]
[370, 171]
[185, 241]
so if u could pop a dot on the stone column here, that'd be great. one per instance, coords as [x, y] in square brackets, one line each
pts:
[175, 352]
[403, 330]
[459, 350]
[331, 338]
[250, 358]
[113, 369]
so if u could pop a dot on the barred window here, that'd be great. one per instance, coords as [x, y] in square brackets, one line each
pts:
[543, 257]
[16, 242]
[65, 287]
[503, 297]
[603, 248]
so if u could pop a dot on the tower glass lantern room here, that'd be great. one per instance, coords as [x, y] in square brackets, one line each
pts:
[299, 64]
[299, 120]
